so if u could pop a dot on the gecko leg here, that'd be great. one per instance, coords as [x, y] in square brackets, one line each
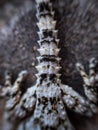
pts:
[90, 82]
[7, 86]
[12, 91]
[74, 101]
[27, 103]
[93, 71]
[18, 104]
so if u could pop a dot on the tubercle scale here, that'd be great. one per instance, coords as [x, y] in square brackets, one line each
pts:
[47, 100]
[48, 61]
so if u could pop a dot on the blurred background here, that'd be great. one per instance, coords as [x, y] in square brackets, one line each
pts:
[77, 22]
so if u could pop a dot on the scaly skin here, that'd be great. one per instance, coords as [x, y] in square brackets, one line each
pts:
[48, 99]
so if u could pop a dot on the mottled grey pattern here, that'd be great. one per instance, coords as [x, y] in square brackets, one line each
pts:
[48, 99]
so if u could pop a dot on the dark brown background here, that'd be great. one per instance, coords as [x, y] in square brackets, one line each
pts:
[77, 22]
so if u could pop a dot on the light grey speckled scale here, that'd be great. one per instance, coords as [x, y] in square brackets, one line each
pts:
[47, 100]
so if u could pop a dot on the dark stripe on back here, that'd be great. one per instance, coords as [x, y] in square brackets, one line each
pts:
[48, 41]
[43, 14]
[48, 59]
[52, 77]
[47, 33]
[44, 9]
[43, 6]
[49, 56]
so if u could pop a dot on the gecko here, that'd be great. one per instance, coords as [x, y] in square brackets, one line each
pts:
[48, 99]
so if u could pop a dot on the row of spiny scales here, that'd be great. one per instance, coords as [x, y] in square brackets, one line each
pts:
[48, 66]
[47, 100]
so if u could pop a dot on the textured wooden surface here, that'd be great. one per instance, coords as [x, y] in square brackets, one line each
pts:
[78, 31]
